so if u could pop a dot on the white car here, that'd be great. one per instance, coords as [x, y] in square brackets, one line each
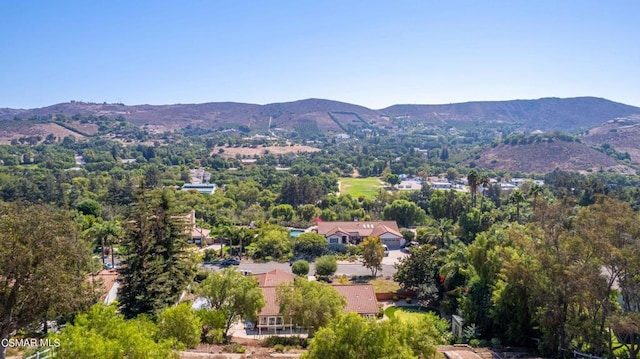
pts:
[386, 250]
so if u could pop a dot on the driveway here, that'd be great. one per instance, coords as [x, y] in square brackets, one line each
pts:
[393, 257]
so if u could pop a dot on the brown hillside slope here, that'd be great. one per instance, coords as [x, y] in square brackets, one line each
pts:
[546, 114]
[545, 157]
[623, 134]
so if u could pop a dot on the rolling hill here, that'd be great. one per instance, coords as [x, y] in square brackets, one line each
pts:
[546, 114]
[623, 134]
[544, 157]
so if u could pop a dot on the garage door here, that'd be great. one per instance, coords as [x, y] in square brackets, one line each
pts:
[392, 242]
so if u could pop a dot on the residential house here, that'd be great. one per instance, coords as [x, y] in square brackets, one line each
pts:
[360, 299]
[198, 236]
[204, 188]
[356, 231]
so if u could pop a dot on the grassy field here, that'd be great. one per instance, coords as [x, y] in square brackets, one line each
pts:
[407, 314]
[368, 187]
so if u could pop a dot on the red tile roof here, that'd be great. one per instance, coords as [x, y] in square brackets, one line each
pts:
[382, 229]
[271, 305]
[360, 298]
[364, 229]
[273, 278]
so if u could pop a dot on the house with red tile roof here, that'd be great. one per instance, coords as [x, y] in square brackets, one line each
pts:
[360, 298]
[274, 278]
[354, 232]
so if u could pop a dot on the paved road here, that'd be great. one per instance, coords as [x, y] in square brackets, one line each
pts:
[348, 269]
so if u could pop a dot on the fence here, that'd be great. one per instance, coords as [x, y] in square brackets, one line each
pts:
[576, 354]
[43, 354]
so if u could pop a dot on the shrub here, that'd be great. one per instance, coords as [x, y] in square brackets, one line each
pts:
[354, 250]
[285, 341]
[474, 343]
[408, 300]
[278, 348]
[326, 265]
[234, 348]
[300, 267]
[209, 255]
[395, 298]
[337, 248]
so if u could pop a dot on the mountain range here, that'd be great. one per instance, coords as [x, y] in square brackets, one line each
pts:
[546, 114]
[598, 123]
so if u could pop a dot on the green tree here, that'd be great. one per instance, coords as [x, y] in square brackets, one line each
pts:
[419, 271]
[43, 266]
[235, 295]
[284, 212]
[372, 254]
[310, 244]
[405, 213]
[307, 212]
[103, 333]
[273, 241]
[300, 267]
[326, 265]
[352, 336]
[473, 181]
[392, 179]
[180, 324]
[89, 207]
[159, 263]
[517, 198]
[103, 233]
[309, 304]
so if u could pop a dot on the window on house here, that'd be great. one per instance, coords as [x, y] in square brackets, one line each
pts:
[333, 240]
[344, 239]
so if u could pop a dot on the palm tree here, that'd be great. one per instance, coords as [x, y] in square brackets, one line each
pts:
[105, 233]
[440, 232]
[517, 198]
[535, 191]
[473, 180]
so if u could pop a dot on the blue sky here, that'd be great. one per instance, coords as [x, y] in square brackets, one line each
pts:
[372, 53]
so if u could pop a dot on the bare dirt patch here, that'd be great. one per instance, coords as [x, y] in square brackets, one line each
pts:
[40, 129]
[89, 128]
[261, 151]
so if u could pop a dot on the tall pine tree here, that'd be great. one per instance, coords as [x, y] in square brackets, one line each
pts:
[159, 264]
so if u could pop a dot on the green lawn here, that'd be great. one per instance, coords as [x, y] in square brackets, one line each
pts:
[368, 187]
[407, 314]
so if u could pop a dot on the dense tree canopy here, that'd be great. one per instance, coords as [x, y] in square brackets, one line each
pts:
[159, 263]
[235, 295]
[309, 304]
[44, 267]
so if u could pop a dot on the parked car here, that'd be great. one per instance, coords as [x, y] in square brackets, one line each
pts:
[108, 266]
[230, 262]
[386, 250]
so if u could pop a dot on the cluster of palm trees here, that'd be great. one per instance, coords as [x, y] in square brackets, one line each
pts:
[476, 180]
[106, 233]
